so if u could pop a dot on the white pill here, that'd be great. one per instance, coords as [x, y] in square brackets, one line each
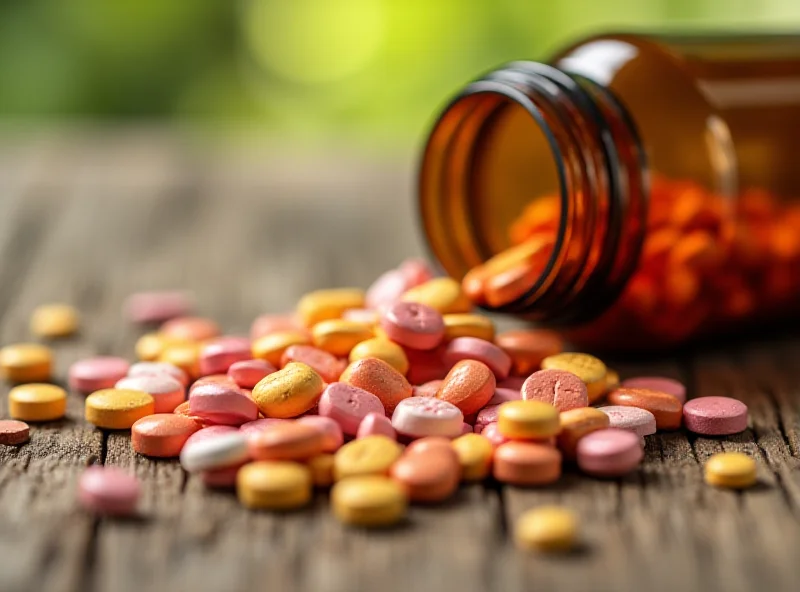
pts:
[427, 416]
[218, 452]
[155, 368]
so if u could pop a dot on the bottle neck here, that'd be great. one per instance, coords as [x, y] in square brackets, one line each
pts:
[602, 188]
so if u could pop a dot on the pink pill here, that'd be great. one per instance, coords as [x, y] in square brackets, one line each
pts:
[218, 355]
[563, 390]
[222, 404]
[512, 382]
[428, 389]
[715, 416]
[413, 325]
[491, 432]
[210, 432]
[93, 374]
[220, 478]
[486, 416]
[248, 373]
[273, 323]
[632, 419]
[387, 289]
[108, 491]
[333, 438]
[222, 379]
[504, 395]
[348, 405]
[376, 424]
[259, 425]
[472, 348]
[157, 307]
[155, 368]
[416, 271]
[658, 383]
[609, 452]
[167, 392]
[418, 417]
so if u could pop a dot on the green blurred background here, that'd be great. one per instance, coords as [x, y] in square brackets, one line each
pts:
[307, 69]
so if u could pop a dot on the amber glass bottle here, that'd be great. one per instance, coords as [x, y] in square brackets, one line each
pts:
[634, 191]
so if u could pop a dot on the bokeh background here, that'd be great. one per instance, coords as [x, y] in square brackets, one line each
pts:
[306, 69]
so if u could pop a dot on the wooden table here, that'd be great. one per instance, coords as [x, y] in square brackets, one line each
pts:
[89, 217]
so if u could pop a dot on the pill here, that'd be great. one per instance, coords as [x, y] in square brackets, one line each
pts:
[588, 368]
[273, 485]
[332, 435]
[368, 501]
[156, 368]
[117, 409]
[658, 383]
[427, 477]
[328, 366]
[339, 336]
[382, 349]
[217, 355]
[158, 306]
[150, 346]
[380, 379]
[248, 373]
[221, 403]
[376, 424]
[425, 445]
[561, 389]
[546, 528]
[528, 420]
[271, 347]
[474, 455]
[37, 402]
[715, 416]
[51, 321]
[289, 392]
[274, 323]
[26, 362]
[491, 433]
[667, 410]
[362, 315]
[108, 491]
[217, 451]
[427, 389]
[323, 305]
[526, 464]
[633, 419]
[208, 432]
[183, 409]
[184, 355]
[443, 294]
[288, 440]
[162, 435]
[13, 432]
[321, 468]
[469, 385]
[167, 392]
[190, 328]
[528, 347]
[387, 289]
[610, 452]
[504, 395]
[101, 372]
[733, 470]
[427, 416]
[348, 405]
[576, 423]
[468, 325]
[371, 455]
[472, 348]
[220, 478]
[413, 325]
[213, 379]
[259, 425]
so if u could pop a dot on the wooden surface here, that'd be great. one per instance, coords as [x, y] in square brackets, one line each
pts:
[89, 218]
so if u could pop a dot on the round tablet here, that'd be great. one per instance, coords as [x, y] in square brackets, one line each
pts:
[217, 355]
[223, 404]
[413, 325]
[426, 416]
[371, 500]
[109, 491]
[332, 436]
[93, 374]
[54, 320]
[380, 379]
[633, 419]
[429, 475]
[37, 402]
[248, 373]
[162, 435]
[117, 409]
[288, 440]
[658, 383]
[528, 420]
[273, 485]
[469, 385]
[715, 416]
[667, 410]
[609, 453]
[216, 452]
[13, 432]
[372, 455]
[561, 389]
[26, 362]
[473, 348]
[547, 528]
[526, 463]
[156, 368]
[167, 392]
[731, 469]
[348, 405]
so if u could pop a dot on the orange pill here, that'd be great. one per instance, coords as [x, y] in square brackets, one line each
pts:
[510, 285]
[575, 424]
[528, 347]
[328, 366]
[190, 328]
[429, 476]
[425, 445]
[287, 440]
[667, 410]
[469, 386]
[380, 379]
[162, 435]
[525, 464]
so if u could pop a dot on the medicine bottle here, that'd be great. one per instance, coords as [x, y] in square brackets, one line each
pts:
[635, 191]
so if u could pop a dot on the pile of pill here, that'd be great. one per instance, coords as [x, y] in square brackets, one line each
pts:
[389, 396]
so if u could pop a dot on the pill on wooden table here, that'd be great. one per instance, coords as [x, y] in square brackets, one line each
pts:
[561, 389]
[156, 368]
[588, 368]
[370, 455]
[13, 432]
[222, 404]
[184, 355]
[339, 336]
[428, 477]
[474, 455]
[332, 435]
[413, 325]
[427, 416]
[37, 402]
[158, 306]
[472, 348]
[328, 366]
[369, 501]
[733, 470]
[382, 349]
[289, 392]
[217, 355]
[248, 373]
[101, 372]
[376, 424]
[380, 379]
[117, 409]
[667, 410]
[274, 323]
[658, 383]
[167, 392]
[633, 419]
[715, 416]
[323, 305]
[469, 385]
[289, 440]
[491, 433]
[546, 528]
[26, 362]
[427, 389]
[348, 405]
[528, 347]
[576, 423]
[190, 328]
[528, 420]
[162, 435]
[272, 346]
[468, 325]
[216, 451]
[51, 321]
[443, 294]
[609, 453]
[108, 491]
[526, 464]
[274, 485]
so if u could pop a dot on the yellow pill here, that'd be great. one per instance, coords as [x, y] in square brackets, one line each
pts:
[339, 337]
[548, 528]
[288, 392]
[185, 356]
[588, 368]
[372, 455]
[54, 320]
[383, 349]
[474, 455]
[321, 467]
[468, 325]
[37, 402]
[734, 470]
[323, 305]
[26, 362]
[150, 346]
[528, 420]
[443, 294]
[372, 500]
[273, 485]
[118, 409]
[271, 346]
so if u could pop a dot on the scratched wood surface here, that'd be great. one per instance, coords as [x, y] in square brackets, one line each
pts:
[89, 217]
